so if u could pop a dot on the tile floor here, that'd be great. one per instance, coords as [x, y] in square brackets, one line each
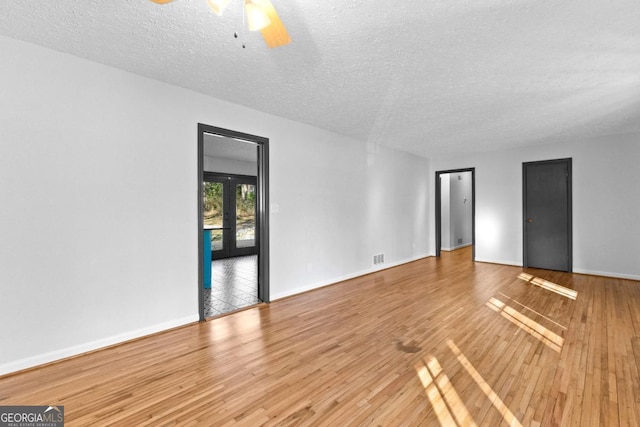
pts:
[234, 285]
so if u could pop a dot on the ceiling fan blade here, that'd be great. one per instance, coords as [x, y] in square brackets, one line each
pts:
[274, 34]
[161, 1]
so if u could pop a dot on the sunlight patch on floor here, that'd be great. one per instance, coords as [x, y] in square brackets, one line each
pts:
[446, 403]
[533, 311]
[528, 325]
[550, 286]
[486, 388]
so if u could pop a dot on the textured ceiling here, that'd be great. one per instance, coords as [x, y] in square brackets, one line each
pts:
[430, 77]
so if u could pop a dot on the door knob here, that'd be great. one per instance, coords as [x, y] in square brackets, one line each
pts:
[529, 220]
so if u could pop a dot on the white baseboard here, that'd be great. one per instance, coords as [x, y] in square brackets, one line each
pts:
[456, 247]
[497, 261]
[335, 280]
[41, 359]
[575, 270]
[606, 274]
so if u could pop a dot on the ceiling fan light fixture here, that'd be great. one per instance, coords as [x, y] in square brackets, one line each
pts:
[218, 6]
[260, 15]
[257, 18]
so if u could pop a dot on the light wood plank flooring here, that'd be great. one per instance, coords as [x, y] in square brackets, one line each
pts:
[434, 342]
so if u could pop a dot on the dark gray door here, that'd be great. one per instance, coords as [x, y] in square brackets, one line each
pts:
[547, 214]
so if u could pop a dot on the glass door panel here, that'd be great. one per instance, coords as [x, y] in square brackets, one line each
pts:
[215, 214]
[245, 216]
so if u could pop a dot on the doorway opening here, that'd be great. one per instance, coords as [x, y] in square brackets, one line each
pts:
[233, 223]
[455, 210]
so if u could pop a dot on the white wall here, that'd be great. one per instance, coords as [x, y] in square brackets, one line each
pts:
[339, 203]
[98, 174]
[606, 202]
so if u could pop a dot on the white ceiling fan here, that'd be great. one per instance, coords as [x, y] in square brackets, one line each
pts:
[261, 15]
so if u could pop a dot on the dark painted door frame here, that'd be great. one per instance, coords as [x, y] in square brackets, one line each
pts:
[439, 208]
[262, 205]
[568, 162]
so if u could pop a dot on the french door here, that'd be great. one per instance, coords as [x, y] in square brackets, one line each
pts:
[229, 203]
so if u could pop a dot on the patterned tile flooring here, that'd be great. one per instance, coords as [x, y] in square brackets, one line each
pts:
[234, 285]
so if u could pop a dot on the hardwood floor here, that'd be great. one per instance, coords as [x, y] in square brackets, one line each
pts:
[434, 342]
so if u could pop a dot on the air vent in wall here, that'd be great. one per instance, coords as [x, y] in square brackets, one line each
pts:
[378, 259]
